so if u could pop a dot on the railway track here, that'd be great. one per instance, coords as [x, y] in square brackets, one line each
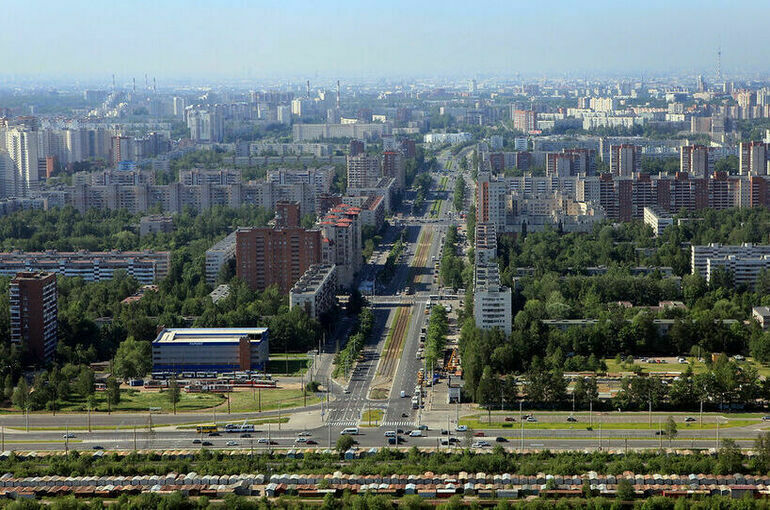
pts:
[392, 352]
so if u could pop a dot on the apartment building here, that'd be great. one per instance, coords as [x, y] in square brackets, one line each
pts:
[218, 255]
[275, 256]
[701, 254]
[342, 241]
[491, 200]
[363, 170]
[33, 313]
[316, 291]
[625, 159]
[754, 158]
[491, 301]
[697, 160]
[145, 266]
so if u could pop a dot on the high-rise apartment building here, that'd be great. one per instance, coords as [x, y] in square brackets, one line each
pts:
[491, 201]
[342, 241]
[696, 160]
[34, 324]
[265, 256]
[121, 149]
[754, 158]
[625, 159]
[363, 171]
[206, 125]
[287, 214]
[356, 147]
[28, 157]
[394, 165]
[524, 120]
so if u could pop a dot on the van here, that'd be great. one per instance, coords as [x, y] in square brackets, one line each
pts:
[349, 431]
[390, 433]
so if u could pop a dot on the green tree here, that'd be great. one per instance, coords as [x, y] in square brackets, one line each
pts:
[113, 393]
[133, 359]
[625, 490]
[174, 393]
[345, 443]
[671, 430]
[21, 398]
[85, 382]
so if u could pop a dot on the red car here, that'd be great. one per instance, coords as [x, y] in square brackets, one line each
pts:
[478, 434]
[510, 418]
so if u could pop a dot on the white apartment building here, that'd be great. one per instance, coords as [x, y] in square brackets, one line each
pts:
[363, 170]
[491, 301]
[218, 255]
[700, 255]
[657, 220]
[316, 291]
[744, 270]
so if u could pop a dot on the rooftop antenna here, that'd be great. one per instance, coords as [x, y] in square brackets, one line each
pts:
[338, 94]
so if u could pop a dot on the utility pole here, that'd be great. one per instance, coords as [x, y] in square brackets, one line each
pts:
[66, 439]
[280, 404]
[701, 413]
[717, 444]
[228, 403]
[329, 426]
[134, 437]
[660, 434]
[26, 418]
[649, 412]
[2, 431]
[260, 398]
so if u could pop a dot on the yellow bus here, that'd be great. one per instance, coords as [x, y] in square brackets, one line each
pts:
[205, 429]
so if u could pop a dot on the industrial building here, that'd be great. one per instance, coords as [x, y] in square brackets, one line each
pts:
[214, 349]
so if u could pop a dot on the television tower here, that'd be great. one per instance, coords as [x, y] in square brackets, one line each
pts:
[338, 94]
[308, 89]
[719, 64]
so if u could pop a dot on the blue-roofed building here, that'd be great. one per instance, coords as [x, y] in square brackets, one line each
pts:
[210, 349]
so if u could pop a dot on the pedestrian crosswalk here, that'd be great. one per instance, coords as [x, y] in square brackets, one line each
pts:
[398, 424]
[343, 423]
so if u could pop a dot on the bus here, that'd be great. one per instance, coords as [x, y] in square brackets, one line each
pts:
[205, 429]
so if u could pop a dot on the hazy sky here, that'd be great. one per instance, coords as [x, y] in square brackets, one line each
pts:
[252, 38]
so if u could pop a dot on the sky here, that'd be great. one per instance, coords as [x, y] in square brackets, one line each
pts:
[294, 38]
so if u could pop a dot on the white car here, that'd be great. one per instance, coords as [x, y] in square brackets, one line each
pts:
[231, 443]
[300, 440]
[415, 433]
[461, 428]
[480, 444]
[304, 433]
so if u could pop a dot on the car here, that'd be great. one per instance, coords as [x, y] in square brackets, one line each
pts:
[97, 447]
[501, 440]
[571, 419]
[262, 440]
[245, 435]
[738, 357]
[682, 361]
[300, 440]
[403, 394]
[68, 435]
[766, 418]
[445, 442]
[423, 427]
[415, 433]
[478, 434]
[304, 433]
[660, 433]
[532, 419]
[510, 418]
[461, 428]
[455, 440]
[231, 443]
[689, 419]
[213, 434]
[196, 441]
[346, 391]
[480, 444]
[444, 432]
[399, 431]
[311, 442]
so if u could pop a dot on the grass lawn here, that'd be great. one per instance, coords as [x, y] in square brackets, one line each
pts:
[379, 394]
[480, 422]
[373, 415]
[296, 365]
[248, 400]
[132, 400]
[697, 366]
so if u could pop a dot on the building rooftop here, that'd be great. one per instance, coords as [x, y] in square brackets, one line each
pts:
[313, 278]
[208, 335]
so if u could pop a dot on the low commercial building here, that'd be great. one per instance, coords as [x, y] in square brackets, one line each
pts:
[218, 255]
[214, 349]
[657, 219]
[316, 291]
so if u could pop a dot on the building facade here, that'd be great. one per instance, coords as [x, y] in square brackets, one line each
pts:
[33, 312]
[210, 349]
[316, 291]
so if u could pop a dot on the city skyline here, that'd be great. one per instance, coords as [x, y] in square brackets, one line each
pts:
[235, 39]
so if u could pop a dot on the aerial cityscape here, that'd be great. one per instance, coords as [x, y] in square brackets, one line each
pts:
[354, 255]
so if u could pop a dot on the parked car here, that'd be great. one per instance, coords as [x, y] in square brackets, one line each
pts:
[461, 428]
[423, 427]
[415, 433]
[444, 432]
